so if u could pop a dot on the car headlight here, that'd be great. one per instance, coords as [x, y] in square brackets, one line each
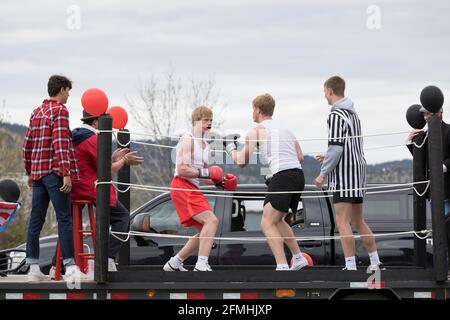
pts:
[15, 259]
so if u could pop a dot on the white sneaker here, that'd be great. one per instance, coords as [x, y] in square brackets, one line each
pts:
[349, 269]
[111, 265]
[168, 267]
[52, 273]
[297, 264]
[73, 273]
[205, 267]
[374, 267]
[35, 275]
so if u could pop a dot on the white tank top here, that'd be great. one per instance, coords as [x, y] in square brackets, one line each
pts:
[199, 158]
[279, 150]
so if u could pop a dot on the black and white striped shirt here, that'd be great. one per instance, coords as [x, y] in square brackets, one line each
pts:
[344, 129]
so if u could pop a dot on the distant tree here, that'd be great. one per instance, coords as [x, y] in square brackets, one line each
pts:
[163, 106]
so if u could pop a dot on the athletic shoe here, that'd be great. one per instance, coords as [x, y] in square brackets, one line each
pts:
[347, 269]
[205, 267]
[282, 269]
[379, 266]
[74, 273]
[169, 267]
[52, 273]
[35, 275]
[297, 264]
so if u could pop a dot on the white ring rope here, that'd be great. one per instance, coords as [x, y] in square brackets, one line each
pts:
[426, 234]
[113, 233]
[258, 197]
[220, 139]
[423, 143]
[132, 185]
[125, 145]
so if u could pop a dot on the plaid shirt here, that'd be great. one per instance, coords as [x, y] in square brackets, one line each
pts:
[47, 147]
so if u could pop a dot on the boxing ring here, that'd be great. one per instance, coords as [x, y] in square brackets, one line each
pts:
[421, 186]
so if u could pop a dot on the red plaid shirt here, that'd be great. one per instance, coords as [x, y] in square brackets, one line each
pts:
[47, 147]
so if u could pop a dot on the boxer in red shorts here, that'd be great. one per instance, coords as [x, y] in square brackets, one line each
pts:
[192, 207]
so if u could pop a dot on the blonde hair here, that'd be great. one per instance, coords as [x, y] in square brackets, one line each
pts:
[265, 103]
[201, 112]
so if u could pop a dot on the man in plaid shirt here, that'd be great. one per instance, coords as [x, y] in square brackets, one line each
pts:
[50, 164]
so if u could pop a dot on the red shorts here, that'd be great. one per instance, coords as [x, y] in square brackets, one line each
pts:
[188, 203]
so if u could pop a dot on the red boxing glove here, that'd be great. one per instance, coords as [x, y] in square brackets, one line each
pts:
[230, 182]
[215, 174]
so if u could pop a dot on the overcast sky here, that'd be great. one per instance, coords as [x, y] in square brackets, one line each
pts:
[286, 48]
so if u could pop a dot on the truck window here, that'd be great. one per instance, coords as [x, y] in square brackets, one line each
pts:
[247, 213]
[392, 206]
[164, 219]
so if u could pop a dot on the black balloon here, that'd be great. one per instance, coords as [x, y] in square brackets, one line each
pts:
[9, 190]
[432, 98]
[415, 117]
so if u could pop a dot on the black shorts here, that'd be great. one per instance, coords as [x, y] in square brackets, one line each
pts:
[286, 180]
[337, 198]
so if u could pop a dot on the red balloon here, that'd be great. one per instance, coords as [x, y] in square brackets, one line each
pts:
[94, 101]
[119, 117]
[308, 258]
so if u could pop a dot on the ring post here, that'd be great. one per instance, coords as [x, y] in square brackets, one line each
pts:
[420, 204]
[103, 199]
[437, 197]
[123, 176]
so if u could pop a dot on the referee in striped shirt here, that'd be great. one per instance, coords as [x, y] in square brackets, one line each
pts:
[346, 167]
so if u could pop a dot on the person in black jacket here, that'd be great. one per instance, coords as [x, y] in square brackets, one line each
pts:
[445, 165]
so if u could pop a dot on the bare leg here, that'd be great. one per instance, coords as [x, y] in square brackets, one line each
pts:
[286, 232]
[269, 222]
[190, 248]
[358, 221]
[343, 218]
[210, 222]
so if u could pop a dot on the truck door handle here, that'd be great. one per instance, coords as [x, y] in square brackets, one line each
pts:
[311, 243]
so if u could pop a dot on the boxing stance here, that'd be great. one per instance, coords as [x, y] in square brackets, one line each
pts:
[283, 154]
[192, 207]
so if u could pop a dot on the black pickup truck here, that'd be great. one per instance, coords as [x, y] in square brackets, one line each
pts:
[240, 216]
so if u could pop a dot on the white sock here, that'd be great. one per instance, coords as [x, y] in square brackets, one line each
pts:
[34, 268]
[176, 261]
[282, 266]
[202, 260]
[374, 259]
[350, 263]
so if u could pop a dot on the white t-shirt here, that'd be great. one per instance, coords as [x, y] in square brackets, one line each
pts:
[279, 149]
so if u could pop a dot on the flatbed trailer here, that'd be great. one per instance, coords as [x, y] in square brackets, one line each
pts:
[329, 283]
[250, 282]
